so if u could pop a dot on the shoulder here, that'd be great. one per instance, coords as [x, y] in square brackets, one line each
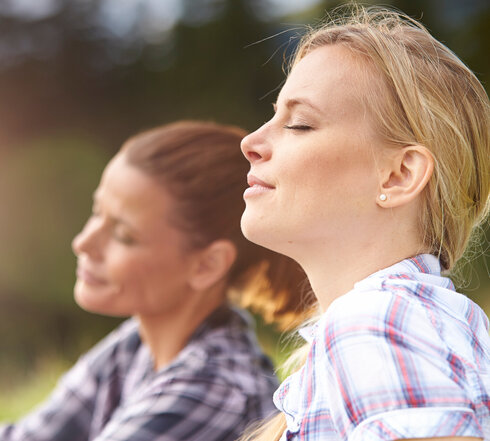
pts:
[407, 301]
[228, 351]
[114, 352]
[381, 326]
[224, 363]
[380, 353]
[392, 344]
[419, 311]
[373, 310]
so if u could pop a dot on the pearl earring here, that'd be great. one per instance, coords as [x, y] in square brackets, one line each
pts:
[383, 197]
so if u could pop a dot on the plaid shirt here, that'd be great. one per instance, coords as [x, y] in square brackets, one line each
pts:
[218, 384]
[400, 356]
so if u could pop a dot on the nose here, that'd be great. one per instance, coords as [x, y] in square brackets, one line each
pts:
[89, 240]
[256, 147]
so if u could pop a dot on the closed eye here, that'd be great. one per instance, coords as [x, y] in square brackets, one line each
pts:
[298, 127]
[123, 237]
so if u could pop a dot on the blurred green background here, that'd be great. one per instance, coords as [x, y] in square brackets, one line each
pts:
[77, 77]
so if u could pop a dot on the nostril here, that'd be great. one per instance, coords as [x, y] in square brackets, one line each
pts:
[253, 156]
[255, 147]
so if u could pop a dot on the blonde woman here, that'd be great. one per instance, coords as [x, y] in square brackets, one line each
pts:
[372, 174]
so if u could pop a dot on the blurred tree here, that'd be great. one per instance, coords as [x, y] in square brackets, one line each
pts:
[45, 189]
[101, 70]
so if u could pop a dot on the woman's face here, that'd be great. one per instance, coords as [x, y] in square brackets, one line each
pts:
[313, 178]
[130, 259]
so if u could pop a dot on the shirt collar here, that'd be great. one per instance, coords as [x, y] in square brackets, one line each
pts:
[423, 263]
[308, 332]
[424, 267]
[420, 264]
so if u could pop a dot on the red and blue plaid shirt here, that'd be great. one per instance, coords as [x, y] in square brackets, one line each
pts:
[402, 355]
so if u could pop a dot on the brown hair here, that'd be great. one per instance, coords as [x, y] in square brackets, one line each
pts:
[202, 167]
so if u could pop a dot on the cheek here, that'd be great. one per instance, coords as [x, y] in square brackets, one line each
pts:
[314, 177]
[150, 269]
[333, 180]
[127, 270]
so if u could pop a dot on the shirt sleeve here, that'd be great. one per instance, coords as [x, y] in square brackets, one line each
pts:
[68, 413]
[390, 375]
[201, 409]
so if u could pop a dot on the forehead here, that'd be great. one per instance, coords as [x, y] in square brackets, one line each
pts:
[331, 76]
[130, 191]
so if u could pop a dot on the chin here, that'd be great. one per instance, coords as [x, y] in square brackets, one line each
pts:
[252, 229]
[86, 301]
[261, 233]
[271, 234]
[96, 302]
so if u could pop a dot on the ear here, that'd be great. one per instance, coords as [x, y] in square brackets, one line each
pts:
[212, 264]
[405, 174]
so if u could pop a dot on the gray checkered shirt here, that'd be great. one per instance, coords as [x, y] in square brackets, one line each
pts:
[218, 384]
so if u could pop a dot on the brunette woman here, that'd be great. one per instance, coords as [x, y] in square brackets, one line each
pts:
[163, 245]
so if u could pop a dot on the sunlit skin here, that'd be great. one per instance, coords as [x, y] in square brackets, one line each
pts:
[317, 154]
[324, 162]
[317, 171]
[133, 261]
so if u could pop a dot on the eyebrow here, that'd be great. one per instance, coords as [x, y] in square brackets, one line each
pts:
[115, 220]
[293, 102]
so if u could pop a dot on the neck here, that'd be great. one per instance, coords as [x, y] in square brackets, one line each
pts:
[333, 268]
[167, 335]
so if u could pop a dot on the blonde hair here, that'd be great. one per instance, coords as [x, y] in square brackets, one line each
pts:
[418, 92]
[424, 95]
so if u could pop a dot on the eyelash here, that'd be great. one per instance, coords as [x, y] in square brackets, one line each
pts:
[126, 240]
[298, 127]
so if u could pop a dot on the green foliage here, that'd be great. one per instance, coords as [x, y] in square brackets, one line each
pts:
[46, 189]
[20, 396]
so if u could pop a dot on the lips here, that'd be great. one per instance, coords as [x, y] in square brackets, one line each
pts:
[89, 277]
[254, 181]
[256, 186]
